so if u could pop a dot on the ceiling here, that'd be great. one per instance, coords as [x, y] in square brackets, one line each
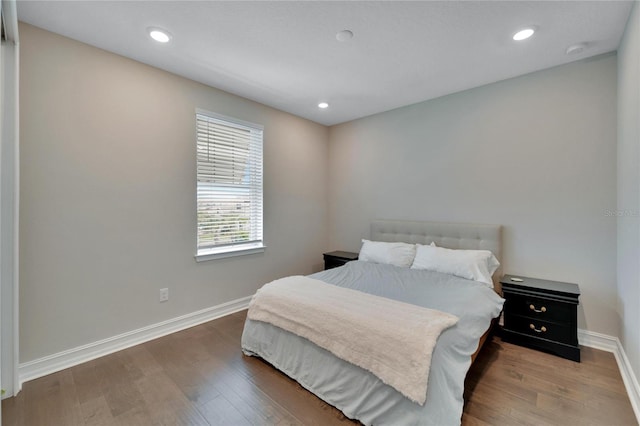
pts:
[286, 55]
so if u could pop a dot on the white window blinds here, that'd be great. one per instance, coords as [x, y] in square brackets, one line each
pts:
[229, 164]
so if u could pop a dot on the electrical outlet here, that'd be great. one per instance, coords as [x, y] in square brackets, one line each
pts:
[164, 294]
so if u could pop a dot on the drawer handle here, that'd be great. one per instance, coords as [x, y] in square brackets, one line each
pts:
[533, 308]
[541, 330]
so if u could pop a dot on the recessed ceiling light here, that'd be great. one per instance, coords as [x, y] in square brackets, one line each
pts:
[159, 35]
[523, 34]
[323, 105]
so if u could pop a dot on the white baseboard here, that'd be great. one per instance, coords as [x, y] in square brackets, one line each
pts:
[59, 361]
[612, 344]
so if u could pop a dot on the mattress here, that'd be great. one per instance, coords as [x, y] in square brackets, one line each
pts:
[358, 393]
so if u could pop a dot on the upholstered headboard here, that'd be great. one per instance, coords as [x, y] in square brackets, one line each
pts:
[449, 235]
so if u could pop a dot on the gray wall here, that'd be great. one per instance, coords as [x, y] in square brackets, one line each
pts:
[108, 196]
[629, 188]
[536, 154]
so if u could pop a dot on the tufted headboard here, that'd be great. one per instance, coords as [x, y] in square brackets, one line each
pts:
[449, 235]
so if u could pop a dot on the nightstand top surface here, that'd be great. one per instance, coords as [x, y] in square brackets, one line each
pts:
[539, 284]
[342, 254]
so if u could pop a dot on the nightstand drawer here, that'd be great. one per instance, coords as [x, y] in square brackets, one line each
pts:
[538, 308]
[541, 329]
[330, 263]
[335, 259]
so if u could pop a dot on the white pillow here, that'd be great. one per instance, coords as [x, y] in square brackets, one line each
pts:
[477, 265]
[398, 254]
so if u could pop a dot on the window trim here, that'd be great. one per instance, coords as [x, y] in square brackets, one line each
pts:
[240, 249]
[230, 251]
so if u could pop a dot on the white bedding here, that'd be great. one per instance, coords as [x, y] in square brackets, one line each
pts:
[393, 340]
[358, 393]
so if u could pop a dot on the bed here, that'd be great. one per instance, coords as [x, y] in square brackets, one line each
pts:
[357, 392]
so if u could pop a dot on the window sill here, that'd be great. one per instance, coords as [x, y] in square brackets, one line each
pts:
[222, 253]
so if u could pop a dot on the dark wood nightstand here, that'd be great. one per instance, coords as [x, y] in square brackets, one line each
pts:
[338, 258]
[541, 314]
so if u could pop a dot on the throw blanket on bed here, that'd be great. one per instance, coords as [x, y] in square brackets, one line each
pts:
[391, 339]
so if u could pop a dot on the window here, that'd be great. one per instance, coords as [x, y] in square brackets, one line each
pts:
[229, 193]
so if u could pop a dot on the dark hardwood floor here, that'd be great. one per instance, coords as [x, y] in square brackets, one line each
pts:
[200, 377]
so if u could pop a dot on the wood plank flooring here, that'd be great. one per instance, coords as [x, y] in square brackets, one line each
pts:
[200, 377]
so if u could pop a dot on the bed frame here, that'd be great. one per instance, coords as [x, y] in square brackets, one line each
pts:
[448, 235]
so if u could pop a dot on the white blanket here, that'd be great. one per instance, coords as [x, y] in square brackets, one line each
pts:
[391, 339]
